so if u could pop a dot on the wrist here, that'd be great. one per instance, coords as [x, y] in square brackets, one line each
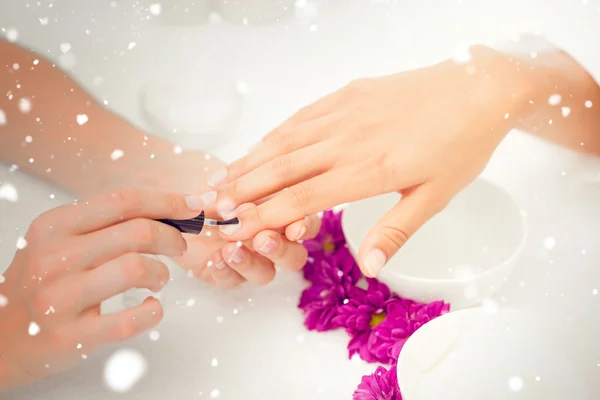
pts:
[501, 90]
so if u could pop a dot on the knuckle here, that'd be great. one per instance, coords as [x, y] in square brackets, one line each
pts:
[144, 231]
[128, 199]
[356, 87]
[301, 195]
[125, 329]
[282, 166]
[39, 266]
[394, 236]
[60, 338]
[39, 227]
[174, 203]
[40, 303]
[134, 268]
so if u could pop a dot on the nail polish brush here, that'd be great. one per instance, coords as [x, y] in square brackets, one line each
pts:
[195, 225]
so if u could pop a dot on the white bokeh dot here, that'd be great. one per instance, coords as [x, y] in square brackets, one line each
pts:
[124, 369]
[515, 383]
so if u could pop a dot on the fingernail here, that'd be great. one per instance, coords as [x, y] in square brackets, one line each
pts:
[209, 198]
[230, 229]
[268, 246]
[226, 208]
[237, 256]
[219, 262]
[374, 261]
[298, 232]
[218, 177]
[195, 203]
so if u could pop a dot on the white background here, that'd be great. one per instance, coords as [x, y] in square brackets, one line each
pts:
[263, 351]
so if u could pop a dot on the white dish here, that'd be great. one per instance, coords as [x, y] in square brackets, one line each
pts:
[200, 115]
[493, 354]
[462, 256]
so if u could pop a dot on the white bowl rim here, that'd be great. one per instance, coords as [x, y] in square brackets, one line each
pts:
[445, 281]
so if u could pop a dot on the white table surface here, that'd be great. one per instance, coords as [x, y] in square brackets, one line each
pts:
[264, 353]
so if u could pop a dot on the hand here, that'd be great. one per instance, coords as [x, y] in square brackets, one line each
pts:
[231, 264]
[425, 134]
[226, 265]
[77, 256]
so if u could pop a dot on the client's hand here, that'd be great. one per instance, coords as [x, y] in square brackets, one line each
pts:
[425, 134]
[225, 264]
[73, 258]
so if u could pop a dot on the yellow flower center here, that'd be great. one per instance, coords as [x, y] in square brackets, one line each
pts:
[376, 319]
[328, 246]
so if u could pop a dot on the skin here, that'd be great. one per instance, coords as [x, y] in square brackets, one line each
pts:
[76, 157]
[445, 123]
[60, 278]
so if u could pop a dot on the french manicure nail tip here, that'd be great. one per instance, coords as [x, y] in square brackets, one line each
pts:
[374, 261]
[302, 233]
[209, 198]
[237, 256]
[226, 208]
[268, 246]
[220, 265]
[194, 203]
[230, 229]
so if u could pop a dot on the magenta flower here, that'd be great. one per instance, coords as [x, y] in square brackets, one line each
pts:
[365, 308]
[382, 385]
[332, 278]
[404, 317]
[330, 236]
[344, 261]
[362, 313]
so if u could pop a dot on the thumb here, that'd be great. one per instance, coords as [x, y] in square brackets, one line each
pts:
[394, 229]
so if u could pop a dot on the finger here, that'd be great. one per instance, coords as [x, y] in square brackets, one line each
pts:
[252, 267]
[106, 210]
[75, 293]
[133, 236]
[199, 253]
[278, 174]
[304, 229]
[129, 271]
[121, 326]
[325, 191]
[285, 140]
[288, 255]
[394, 229]
[223, 275]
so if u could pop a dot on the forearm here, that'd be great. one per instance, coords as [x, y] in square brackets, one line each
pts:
[50, 140]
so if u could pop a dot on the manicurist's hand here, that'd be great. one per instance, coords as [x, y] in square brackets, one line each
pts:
[73, 258]
[425, 134]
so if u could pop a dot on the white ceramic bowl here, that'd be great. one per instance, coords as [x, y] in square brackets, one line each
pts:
[462, 256]
[493, 354]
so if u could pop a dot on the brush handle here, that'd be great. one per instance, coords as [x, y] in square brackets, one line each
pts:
[192, 226]
[195, 225]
